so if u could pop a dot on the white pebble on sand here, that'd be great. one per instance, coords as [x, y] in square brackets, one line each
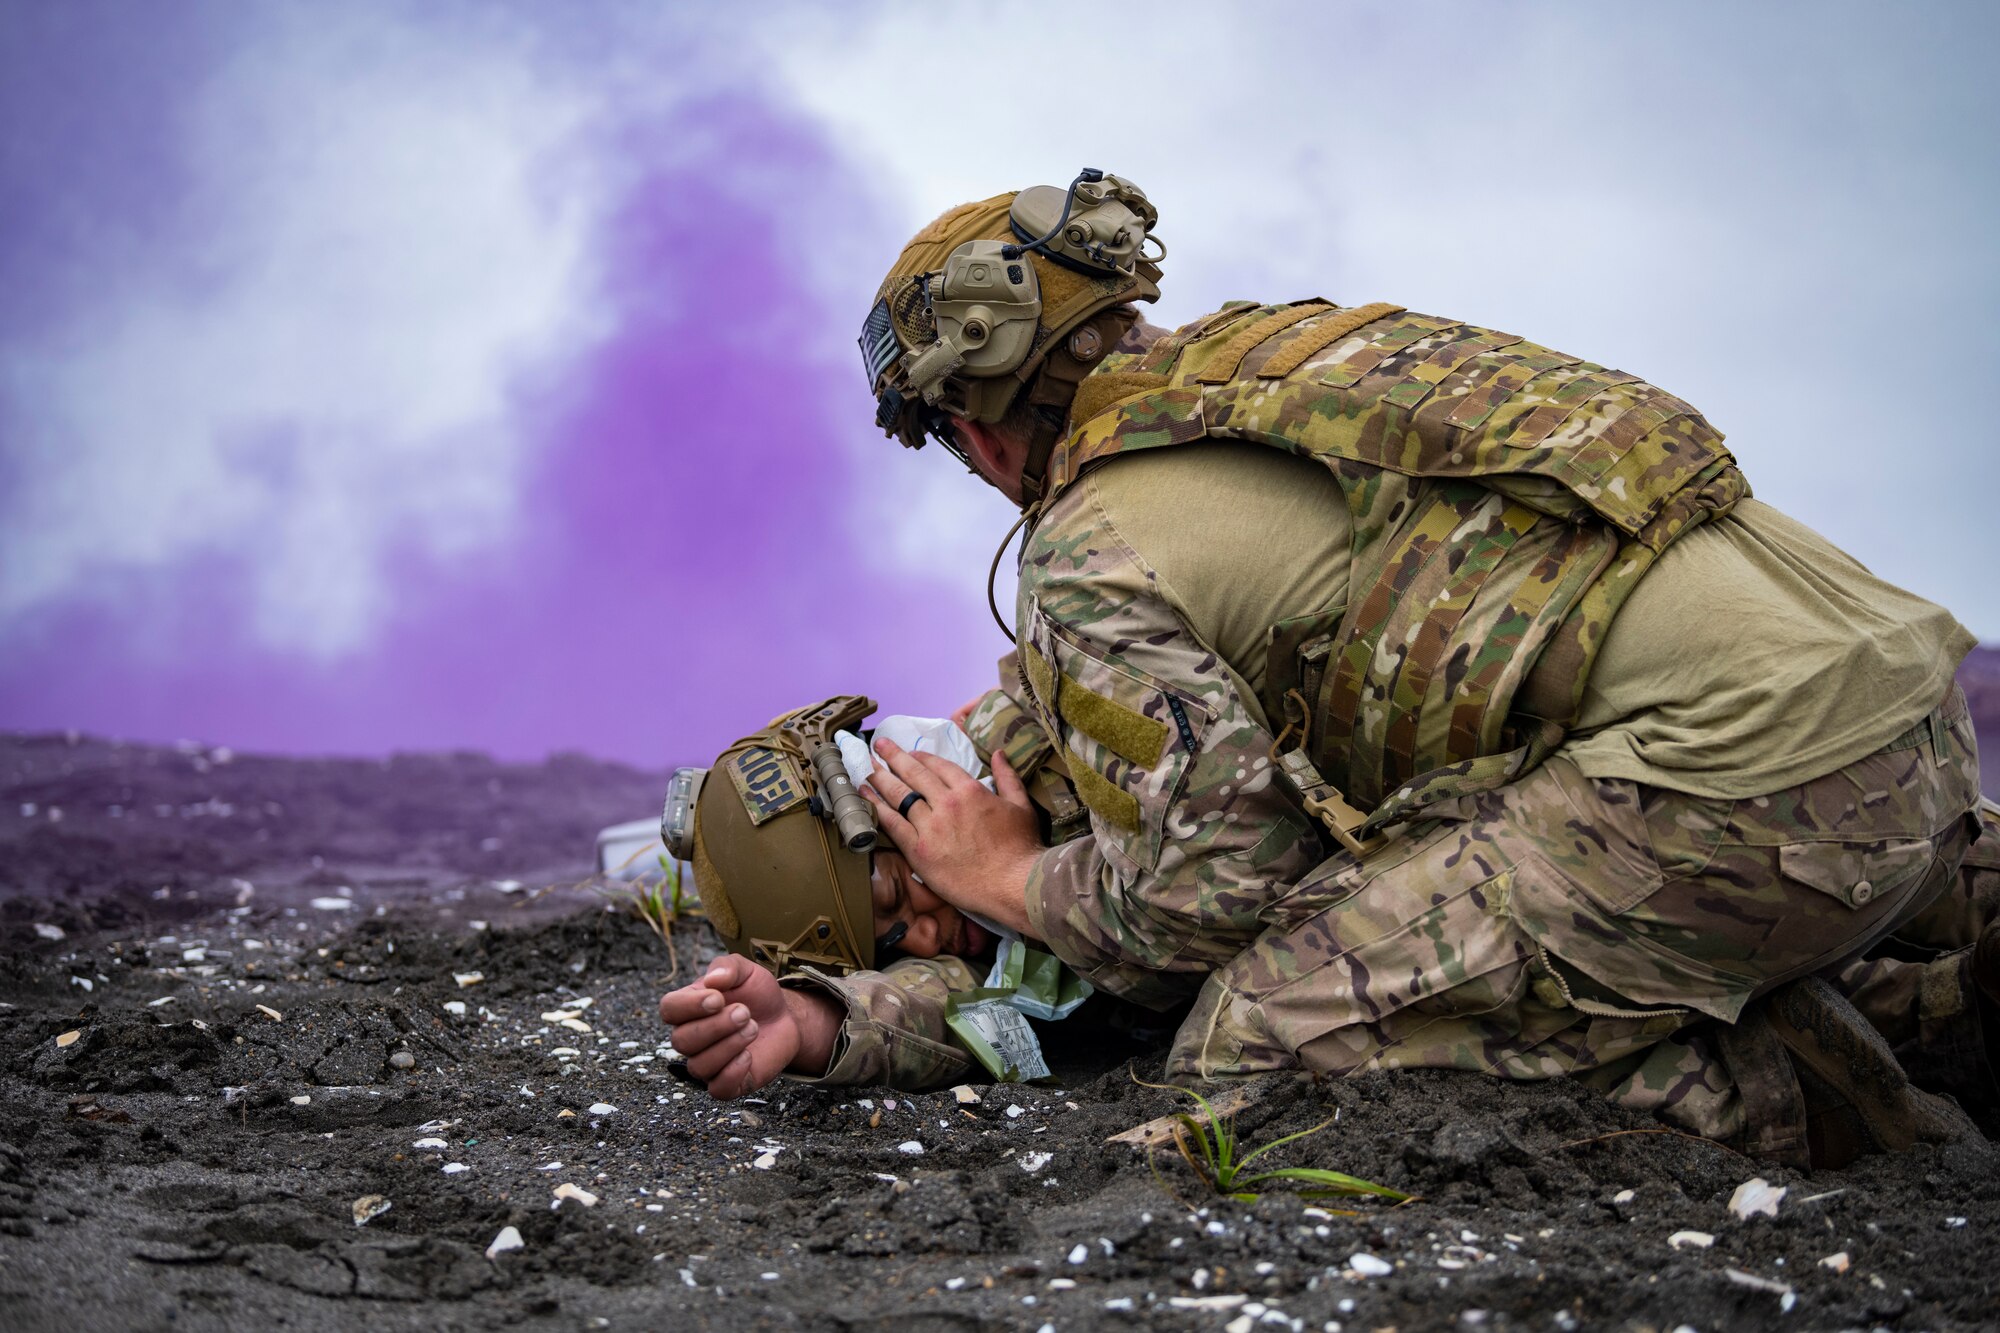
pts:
[508, 1239]
[910, 1148]
[1754, 1196]
[1368, 1265]
[1701, 1240]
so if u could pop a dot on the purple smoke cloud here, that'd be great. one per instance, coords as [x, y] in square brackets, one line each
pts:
[677, 563]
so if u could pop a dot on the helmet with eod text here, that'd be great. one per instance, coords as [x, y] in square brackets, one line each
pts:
[780, 842]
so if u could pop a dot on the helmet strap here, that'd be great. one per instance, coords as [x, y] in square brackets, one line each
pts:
[1053, 389]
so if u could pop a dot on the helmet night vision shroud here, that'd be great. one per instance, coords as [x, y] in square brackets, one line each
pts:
[780, 841]
[1020, 293]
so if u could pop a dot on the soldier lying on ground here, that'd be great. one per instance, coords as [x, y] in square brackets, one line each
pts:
[784, 889]
[1437, 699]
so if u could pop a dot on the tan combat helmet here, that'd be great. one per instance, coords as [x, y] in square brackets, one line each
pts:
[780, 842]
[1020, 293]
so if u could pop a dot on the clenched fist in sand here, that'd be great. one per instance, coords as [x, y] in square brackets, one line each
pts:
[738, 1029]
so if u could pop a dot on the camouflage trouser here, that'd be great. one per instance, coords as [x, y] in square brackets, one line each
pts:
[1597, 927]
[1918, 988]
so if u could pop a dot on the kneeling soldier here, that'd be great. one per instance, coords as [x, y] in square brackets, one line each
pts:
[1437, 699]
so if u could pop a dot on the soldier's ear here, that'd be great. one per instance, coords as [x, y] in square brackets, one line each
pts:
[996, 456]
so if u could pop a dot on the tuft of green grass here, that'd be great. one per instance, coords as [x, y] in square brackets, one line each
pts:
[659, 903]
[1213, 1150]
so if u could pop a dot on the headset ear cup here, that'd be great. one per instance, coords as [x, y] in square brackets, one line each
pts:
[935, 369]
[987, 305]
[1097, 226]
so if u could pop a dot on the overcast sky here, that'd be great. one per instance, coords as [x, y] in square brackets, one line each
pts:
[393, 376]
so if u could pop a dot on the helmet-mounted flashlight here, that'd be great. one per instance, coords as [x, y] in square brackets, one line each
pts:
[677, 820]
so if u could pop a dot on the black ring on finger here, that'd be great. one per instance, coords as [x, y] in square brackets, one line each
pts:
[903, 806]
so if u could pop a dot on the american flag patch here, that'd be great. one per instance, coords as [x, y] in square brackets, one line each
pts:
[879, 348]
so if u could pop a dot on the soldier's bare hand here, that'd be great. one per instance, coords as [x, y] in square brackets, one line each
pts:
[973, 847]
[735, 1027]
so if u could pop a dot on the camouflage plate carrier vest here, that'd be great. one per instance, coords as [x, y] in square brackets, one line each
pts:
[1506, 499]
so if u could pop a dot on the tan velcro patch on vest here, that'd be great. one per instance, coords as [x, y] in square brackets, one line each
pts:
[1222, 369]
[1132, 736]
[1295, 351]
[1108, 801]
[1106, 387]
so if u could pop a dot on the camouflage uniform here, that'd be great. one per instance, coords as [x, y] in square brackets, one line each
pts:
[1420, 956]
[895, 1032]
[1523, 920]
[1566, 925]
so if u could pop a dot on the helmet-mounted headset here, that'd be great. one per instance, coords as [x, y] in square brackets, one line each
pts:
[1008, 302]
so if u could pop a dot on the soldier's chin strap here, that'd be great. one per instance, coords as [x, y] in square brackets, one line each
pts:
[891, 937]
[1054, 389]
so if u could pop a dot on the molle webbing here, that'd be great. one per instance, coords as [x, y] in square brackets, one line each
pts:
[1505, 499]
[1222, 368]
[1163, 352]
[1462, 599]
[1307, 343]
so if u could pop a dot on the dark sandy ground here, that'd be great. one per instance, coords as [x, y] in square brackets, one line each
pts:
[257, 1014]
